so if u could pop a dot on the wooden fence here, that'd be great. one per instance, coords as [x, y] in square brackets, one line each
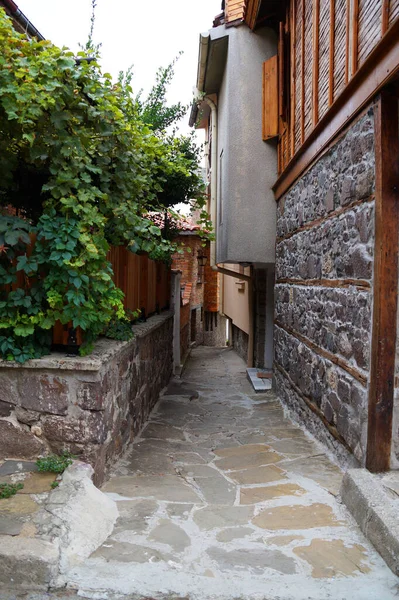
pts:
[145, 283]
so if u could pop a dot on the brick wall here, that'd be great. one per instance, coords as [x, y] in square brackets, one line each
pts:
[212, 282]
[323, 295]
[187, 263]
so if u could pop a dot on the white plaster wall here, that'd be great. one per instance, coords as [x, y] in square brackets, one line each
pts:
[246, 230]
[235, 299]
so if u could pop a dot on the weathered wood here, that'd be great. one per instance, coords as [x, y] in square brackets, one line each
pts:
[385, 295]
[270, 127]
[361, 284]
[385, 16]
[347, 40]
[355, 36]
[251, 12]
[315, 73]
[332, 53]
[333, 358]
[315, 409]
[303, 74]
[281, 71]
[380, 68]
[293, 76]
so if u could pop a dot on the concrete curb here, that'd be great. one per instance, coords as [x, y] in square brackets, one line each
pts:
[27, 563]
[74, 520]
[374, 512]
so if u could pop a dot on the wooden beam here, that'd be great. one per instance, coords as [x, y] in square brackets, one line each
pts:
[347, 40]
[251, 12]
[331, 78]
[355, 36]
[379, 69]
[361, 284]
[385, 17]
[315, 409]
[303, 73]
[281, 73]
[316, 48]
[293, 76]
[333, 358]
[382, 372]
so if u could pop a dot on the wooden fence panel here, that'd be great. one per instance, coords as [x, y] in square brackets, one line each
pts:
[145, 282]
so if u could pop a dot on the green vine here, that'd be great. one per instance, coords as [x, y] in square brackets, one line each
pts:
[82, 163]
[9, 489]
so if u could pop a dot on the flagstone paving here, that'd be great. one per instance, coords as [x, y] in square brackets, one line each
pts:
[224, 497]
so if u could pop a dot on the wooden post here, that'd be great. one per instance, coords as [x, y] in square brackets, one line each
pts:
[331, 77]
[293, 76]
[382, 371]
[315, 74]
[385, 17]
[347, 40]
[303, 73]
[355, 36]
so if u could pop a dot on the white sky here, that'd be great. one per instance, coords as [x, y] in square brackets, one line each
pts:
[145, 33]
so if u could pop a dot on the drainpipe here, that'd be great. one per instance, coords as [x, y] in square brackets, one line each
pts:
[22, 20]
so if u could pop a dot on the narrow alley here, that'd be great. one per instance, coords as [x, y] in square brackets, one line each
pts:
[223, 497]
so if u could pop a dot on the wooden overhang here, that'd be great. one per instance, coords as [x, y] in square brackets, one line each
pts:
[264, 12]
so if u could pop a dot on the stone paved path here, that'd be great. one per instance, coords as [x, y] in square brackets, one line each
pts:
[223, 497]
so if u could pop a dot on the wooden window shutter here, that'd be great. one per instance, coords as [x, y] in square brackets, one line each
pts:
[270, 98]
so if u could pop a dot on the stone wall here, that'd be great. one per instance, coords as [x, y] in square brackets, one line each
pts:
[323, 295]
[91, 406]
[240, 342]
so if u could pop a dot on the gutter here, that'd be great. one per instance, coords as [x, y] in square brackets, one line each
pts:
[23, 21]
[202, 60]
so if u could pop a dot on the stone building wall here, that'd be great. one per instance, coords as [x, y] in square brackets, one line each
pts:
[240, 342]
[91, 406]
[323, 295]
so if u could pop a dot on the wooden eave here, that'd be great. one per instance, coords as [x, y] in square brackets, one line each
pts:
[264, 12]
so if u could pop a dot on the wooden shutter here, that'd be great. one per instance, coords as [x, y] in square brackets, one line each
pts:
[270, 99]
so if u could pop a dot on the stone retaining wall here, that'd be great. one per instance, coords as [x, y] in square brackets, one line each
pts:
[324, 273]
[91, 406]
[240, 342]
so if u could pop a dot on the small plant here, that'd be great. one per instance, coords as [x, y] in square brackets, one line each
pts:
[55, 484]
[54, 463]
[119, 329]
[9, 489]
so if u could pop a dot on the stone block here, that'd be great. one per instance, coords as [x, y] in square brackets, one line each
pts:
[27, 563]
[87, 428]
[6, 409]
[375, 513]
[88, 516]
[18, 443]
[91, 396]
[28, 417]
[8, 388]
[44, 393]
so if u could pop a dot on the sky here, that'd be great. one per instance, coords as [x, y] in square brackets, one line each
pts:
[143, 33]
